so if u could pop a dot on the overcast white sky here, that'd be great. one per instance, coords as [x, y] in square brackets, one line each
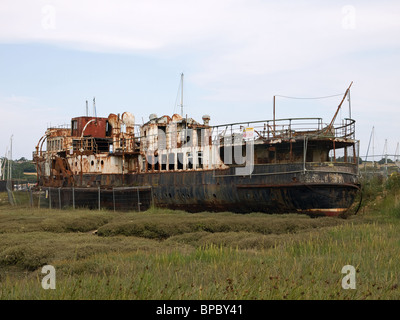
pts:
[235, 54]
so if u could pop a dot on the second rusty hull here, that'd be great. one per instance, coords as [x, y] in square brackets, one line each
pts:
[317, 189]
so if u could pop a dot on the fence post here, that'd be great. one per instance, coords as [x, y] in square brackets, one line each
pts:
[113, 199]
[49, 190]
[138, 198]
[30, 198]
[152, 197]
[59, 197]
[73, 198]
[9, 187]
[99, 197]
[10, 197]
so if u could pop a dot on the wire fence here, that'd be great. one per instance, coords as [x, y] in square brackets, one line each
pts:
[117, 199]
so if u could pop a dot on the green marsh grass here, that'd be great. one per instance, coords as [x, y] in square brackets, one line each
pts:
[163, 254]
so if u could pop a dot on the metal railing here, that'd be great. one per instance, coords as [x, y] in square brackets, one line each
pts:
[285, 128]
[138, 198]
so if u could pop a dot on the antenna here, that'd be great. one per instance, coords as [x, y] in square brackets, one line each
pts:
[87, 109]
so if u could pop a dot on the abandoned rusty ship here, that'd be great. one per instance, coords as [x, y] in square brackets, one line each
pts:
[300, 165]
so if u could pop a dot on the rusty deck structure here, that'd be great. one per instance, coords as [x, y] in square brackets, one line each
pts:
[298, 165]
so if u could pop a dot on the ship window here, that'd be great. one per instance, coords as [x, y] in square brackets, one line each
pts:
[74, 127]
[108, 129]
[122, 143]
[143, 164]
[149, 162]
[180, 161]
[162, 138]
[199, 137]
[189, 157]
[163, 162]
[171, 161]
[200, 160]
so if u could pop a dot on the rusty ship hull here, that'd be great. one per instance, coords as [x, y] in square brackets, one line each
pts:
[313, 193]
[282, 188]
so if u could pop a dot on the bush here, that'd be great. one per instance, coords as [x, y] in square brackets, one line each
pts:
[393, 182]
[27, 257]
[372, 187]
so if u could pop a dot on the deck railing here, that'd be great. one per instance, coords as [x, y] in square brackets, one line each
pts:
[285, 128]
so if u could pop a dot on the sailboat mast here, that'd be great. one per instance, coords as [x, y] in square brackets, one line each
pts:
[373, 146]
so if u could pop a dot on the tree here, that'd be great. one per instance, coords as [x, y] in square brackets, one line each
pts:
[383, 161]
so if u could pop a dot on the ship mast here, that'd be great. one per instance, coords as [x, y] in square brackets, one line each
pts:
[182, 94]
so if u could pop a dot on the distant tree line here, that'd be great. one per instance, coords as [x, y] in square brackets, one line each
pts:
[360, 161]
[19, 167]
[349, 159]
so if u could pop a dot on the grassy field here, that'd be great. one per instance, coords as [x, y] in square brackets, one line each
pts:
[162, 254]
